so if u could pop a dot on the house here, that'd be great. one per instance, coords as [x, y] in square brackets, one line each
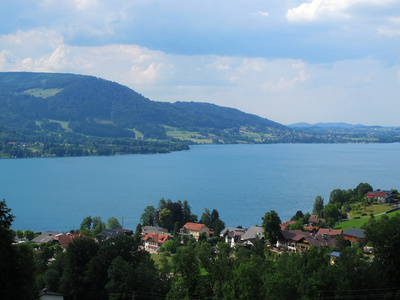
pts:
[195, 230]
[153, 229]
[46, 237]
[317, 241]
[153, 241]
[285, 225]
[233, 235]
[252, 234]
[297, 240]
[314, 220]
[115, 232]
[353, 234]
[290, 238]
[380, 195]
[329, 232]
[311, 229]
[334, 255]
[66, 239]
[47, 295]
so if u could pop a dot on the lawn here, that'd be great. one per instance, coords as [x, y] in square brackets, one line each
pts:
[374, 208]
[157, 259]
[358, 223]
[64, 124]
[42, 93]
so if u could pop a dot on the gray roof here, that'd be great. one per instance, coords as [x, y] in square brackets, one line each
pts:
[319, 240]
[45, 237]
[115, 232]
[233, 229]
[153, 229]
[253, 232]
[355, 232]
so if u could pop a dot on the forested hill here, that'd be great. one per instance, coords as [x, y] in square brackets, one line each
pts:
[92, 105]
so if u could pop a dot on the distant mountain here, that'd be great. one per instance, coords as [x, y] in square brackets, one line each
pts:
[325, 125]
[98, 107]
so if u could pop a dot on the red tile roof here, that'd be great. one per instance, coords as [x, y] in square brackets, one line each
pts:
[64, 240]
[286, 224]
[156, 237]
[315, 219]
[294, 235]
[193, 226]
[311, 228]
[376, 194]
[330, 232]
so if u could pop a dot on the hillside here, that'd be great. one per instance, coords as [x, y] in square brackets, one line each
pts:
[46, 114]
[98, 107]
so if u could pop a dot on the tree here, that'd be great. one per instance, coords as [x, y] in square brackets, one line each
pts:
[148, 216]
[338, 196]
[362, 189]
[19, 234]
[86, 225]
[306, 217]
[92, 226]
[98, 225]
[113, 223]
[29, 235]
[187, 213]
[120, 274]
[206, 218]
[271, 225]
[16, 261]
[318, 206]
[384, 235]
[166, 219]
[298, 215]
[331, 211]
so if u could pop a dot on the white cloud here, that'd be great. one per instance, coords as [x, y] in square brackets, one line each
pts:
[391, 29]
[284, 90]
[317, 9]
[263, 13]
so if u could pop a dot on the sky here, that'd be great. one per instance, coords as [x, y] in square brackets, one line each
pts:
[286, 60]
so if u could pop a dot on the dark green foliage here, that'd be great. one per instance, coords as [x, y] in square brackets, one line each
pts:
[113, 223]
[16, 261]
[148, 216]
[318, 206]
[298, 215]
[92, 226]
[271, 225]
[79, 98]
[384, 235]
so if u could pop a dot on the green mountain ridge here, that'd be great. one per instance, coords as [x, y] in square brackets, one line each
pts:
[88, 102]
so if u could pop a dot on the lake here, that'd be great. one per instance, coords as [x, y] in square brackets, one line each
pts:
[241, 181]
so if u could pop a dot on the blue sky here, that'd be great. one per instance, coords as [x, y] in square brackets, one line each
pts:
[286, 60]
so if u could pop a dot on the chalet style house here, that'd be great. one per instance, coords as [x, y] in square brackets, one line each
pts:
[381, 196]
[297, 240]
[353, 234]
[153, 241]
[195, 230]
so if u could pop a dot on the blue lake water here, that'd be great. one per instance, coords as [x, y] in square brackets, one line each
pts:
[241, 181]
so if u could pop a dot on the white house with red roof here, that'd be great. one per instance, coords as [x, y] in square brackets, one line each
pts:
[380, 196]
[153, 241]
[195, 230]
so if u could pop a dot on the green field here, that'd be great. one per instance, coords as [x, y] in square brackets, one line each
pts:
[64, 124]
[358, 223]
[374, 208]
[187, 135]
[42, 93]
[157, 259]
